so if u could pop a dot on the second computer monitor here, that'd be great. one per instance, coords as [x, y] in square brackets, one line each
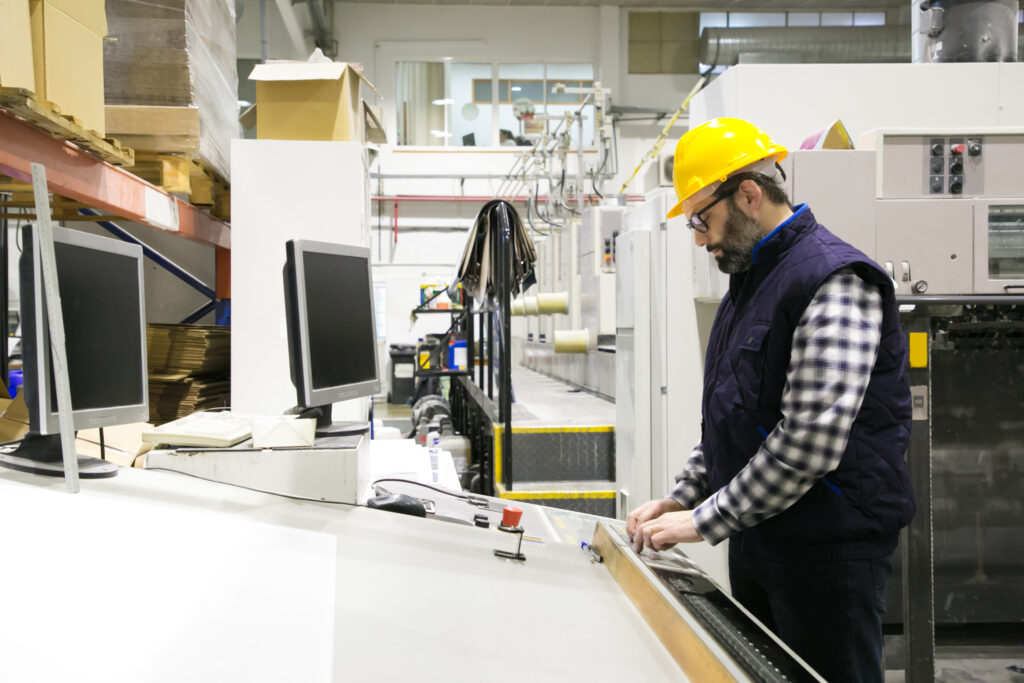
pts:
[332, 332]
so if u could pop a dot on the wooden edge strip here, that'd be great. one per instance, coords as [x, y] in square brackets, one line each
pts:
[692, 655]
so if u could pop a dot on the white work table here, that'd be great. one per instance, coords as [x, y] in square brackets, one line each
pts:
[156, 576]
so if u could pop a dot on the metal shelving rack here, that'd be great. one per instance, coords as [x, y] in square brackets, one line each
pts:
[76, 174]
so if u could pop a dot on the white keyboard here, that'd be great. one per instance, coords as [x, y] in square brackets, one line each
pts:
[218, 429]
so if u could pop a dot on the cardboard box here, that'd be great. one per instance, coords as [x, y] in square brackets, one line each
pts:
[310, 101]
[67, 52]
[13, 418]
[16, 65]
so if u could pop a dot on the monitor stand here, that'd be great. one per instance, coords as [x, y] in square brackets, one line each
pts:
[42, 454]
[326, 427]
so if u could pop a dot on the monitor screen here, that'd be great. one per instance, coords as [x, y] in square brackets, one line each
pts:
[342, 344]
[332, 335]
[103, 309]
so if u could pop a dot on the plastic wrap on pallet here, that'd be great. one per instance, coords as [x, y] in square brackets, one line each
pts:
[177, 53]
[210, 28]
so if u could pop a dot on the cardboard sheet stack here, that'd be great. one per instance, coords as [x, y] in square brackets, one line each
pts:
[189, 369]
[171, 79]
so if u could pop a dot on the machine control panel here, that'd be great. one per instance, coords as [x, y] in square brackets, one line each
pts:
[945, 165]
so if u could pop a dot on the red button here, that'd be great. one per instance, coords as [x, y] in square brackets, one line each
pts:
[958, 149]
[510, 516]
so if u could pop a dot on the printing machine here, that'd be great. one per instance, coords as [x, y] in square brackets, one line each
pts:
[942, 210]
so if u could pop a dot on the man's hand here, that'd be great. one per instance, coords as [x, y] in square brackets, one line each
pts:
[665, 531]
[648, 511]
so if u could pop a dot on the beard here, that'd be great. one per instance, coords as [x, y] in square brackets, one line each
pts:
[742, 233]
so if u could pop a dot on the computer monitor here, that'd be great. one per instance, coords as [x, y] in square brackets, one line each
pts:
[104, 311]
[332, 332]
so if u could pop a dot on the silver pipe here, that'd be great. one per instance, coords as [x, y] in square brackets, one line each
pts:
[966, 299]
[263, 31]
[321, 34]
[799, 44]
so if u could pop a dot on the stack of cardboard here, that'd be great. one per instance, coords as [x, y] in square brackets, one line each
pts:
[172, 79]
[54, 49]
[189, 369]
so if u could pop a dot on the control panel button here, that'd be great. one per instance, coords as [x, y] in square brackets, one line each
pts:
[956, 184]
[936, 183]
[956, 166]
[958, 149]
[938, 165]
[938, 149]
[974, 147]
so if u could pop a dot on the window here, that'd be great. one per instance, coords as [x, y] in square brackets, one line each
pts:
[758, 19]
[467, 104]
[869, 18]
[421, 104]
[663, 42]
[533, 89]
[472, 109]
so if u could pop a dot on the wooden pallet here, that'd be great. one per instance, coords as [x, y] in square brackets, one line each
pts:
[187, 176]
[48, 117]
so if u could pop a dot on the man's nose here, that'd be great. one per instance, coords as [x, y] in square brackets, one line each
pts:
[700, 238]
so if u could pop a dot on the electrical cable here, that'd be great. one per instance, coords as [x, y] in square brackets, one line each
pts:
[468, 498]
[249, 488]
[536, 207]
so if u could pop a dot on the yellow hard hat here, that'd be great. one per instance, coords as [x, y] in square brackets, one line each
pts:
[713, 151]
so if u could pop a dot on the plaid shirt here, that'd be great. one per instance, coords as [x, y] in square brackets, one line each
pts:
[834, 349]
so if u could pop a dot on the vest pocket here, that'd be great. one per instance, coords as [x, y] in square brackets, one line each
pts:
[748, 364]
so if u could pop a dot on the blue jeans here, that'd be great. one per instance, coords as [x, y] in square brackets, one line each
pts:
[829, 613]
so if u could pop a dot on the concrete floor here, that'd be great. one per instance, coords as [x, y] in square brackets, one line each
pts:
[970, 670]
[973, 661]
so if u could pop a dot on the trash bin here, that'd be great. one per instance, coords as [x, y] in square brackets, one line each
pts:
[403, 365]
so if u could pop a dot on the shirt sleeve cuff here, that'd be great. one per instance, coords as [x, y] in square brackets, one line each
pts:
[710, 523]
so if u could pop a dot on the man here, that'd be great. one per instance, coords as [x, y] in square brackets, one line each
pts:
[806, 411]
[505, 138]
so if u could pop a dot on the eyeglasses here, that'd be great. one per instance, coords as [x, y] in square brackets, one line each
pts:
[698, 222]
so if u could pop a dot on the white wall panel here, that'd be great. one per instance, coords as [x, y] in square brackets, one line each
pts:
[791, 101]
[283, 190]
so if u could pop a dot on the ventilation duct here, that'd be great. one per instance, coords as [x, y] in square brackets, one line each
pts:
[812, 44]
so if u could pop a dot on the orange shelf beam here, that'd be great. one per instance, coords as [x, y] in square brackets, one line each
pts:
[74, 173]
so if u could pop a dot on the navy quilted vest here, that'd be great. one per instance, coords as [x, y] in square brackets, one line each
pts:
[856, 511]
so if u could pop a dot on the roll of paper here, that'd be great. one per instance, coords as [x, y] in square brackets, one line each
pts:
[530, 304]
[517, 307]
[553, 302]
[571, 341]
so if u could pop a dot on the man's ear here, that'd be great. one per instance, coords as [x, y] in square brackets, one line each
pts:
[749, 197]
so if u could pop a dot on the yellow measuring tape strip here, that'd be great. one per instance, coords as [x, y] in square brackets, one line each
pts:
[659, 142]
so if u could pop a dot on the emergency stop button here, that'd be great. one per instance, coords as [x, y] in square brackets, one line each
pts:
[958, 149]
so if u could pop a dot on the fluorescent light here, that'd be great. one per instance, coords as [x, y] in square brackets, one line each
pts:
[440, 134]
[516, 88]
[445, 101]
